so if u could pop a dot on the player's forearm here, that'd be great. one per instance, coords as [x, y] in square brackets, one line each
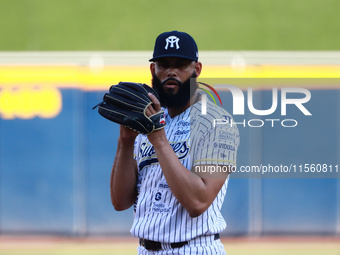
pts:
[188, 188]
[123, 177]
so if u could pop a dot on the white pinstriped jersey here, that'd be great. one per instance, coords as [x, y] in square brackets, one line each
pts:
[158, 214]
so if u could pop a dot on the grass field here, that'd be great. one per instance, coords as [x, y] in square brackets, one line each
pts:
[127, 246]
[133, 25]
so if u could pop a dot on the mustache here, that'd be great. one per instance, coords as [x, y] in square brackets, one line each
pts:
[172, 79]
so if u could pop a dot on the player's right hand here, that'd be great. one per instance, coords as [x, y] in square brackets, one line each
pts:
[127, 133]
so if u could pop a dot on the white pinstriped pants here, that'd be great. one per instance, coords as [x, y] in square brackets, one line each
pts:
[202, 245]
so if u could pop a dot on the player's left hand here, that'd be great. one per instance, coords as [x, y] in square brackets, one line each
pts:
[158, 135]
[155, 107]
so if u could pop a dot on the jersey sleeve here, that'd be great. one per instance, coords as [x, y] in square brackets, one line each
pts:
[218, 144]
[136, 148]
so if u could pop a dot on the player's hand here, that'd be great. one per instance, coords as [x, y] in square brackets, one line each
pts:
[127, 133]
[157, 136]
[156, 107]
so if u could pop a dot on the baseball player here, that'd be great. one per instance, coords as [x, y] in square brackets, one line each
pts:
[164, 175]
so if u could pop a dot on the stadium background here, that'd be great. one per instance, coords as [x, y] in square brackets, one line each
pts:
[58, 58]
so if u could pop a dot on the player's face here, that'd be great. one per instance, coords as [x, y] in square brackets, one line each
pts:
[180, 69]
[168, 98]
[171, 78]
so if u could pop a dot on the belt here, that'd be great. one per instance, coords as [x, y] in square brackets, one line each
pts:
[156, 246]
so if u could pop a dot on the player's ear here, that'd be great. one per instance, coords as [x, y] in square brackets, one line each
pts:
[198, 68]
[152, 68]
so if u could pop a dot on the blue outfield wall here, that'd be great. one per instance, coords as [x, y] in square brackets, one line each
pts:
[55, 173]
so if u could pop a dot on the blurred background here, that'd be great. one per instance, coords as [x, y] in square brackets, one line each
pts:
[58, 58]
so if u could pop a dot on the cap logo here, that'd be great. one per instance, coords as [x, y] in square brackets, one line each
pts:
[172, 40]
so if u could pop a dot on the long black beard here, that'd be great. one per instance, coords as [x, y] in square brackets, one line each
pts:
[186, 90]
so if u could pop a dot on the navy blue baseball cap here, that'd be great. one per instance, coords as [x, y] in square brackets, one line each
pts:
[175, 44]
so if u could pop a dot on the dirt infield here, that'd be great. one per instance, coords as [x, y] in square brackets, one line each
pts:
[47, 245]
